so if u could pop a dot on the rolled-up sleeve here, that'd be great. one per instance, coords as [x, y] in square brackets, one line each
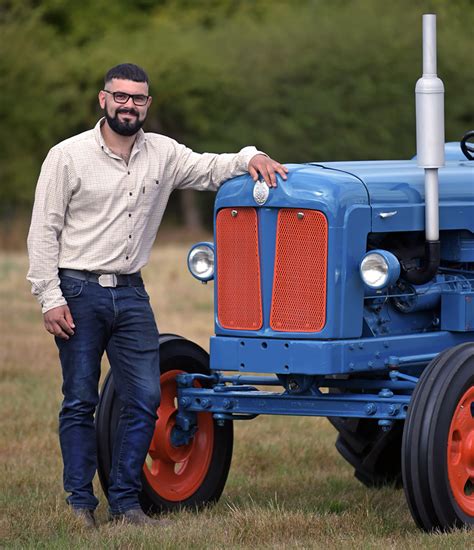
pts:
[52, 196]
[207, 171]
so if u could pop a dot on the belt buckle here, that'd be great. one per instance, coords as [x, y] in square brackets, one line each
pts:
[108, 280]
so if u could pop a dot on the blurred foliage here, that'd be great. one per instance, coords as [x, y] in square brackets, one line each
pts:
[303, 80]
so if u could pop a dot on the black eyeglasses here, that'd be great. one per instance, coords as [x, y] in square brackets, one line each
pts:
[122, 97]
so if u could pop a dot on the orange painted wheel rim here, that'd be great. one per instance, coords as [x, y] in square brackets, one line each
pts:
[176, 473]
[461, 453]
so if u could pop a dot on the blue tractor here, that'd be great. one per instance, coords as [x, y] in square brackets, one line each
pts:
[350, 288]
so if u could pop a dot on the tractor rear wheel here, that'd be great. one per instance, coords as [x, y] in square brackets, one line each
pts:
[438, 443]
[191, 475]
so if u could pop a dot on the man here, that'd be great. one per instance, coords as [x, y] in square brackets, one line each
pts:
[99, 202]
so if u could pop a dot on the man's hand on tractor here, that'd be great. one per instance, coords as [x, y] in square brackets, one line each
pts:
[58, 321]
[266, 167]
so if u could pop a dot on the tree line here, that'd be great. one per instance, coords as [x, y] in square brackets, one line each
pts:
[304, 80]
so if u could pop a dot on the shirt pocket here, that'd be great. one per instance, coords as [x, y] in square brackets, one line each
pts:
[149, 195]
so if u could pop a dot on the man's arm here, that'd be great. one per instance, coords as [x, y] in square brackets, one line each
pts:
[207, 171]
[53, 193]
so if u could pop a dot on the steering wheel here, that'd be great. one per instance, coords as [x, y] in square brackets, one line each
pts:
[468, 149]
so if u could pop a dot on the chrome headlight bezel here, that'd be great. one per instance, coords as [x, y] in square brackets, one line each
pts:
[379, 269]
[202, 252]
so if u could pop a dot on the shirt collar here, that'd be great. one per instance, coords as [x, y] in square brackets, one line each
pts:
[139, 141]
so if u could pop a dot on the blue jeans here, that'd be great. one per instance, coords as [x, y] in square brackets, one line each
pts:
[119, 321]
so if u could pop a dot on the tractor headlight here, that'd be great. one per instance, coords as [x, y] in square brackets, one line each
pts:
[201, 261]
[379, 269]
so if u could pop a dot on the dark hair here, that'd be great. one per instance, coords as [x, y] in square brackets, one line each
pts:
[126, 71]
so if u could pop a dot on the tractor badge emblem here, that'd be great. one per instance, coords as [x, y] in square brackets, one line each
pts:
[260, 192]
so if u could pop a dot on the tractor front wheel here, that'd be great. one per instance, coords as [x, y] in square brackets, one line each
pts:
[438, 443]
[190, 475]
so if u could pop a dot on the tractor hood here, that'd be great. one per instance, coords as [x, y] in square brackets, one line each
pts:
[396, 191]
[390, 193]
[335, 192]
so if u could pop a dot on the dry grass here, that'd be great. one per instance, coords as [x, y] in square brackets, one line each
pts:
[288, 487]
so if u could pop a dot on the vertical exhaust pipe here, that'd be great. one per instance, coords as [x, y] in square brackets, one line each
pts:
[429, 94]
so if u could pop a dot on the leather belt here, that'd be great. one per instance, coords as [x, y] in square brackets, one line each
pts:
[107, 280]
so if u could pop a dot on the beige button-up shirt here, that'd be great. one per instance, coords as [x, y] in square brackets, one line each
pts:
[94, 212]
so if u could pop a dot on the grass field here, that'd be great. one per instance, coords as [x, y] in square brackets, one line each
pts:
[287, 488]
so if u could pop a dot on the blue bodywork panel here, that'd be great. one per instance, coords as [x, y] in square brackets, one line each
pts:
[374, 344]
[344, 201]
[458, 312]
[328, 357]
[398, 186]
[352, 196]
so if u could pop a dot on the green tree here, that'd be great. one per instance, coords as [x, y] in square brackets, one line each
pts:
[304, 80]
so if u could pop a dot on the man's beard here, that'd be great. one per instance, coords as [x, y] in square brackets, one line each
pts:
[125, 127]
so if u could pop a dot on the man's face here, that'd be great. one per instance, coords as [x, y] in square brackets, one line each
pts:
[124, 118]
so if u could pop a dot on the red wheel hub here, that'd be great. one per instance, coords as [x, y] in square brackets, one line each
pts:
[175, 473]
[461, 453]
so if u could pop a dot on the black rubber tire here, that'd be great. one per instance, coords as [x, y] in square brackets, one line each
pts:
[425, 440]
[466, 147]
[374, 454]
[175, 353]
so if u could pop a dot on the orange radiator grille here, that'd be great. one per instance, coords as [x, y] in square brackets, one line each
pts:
[299, 281]
[239, 296]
